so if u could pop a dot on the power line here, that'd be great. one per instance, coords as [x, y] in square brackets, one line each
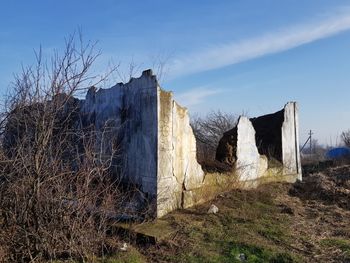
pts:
[309, 139]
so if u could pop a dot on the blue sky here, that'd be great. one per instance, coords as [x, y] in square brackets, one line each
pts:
[237, 56]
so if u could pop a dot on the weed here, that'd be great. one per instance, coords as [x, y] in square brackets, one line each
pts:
[255, 254]
[342, 244]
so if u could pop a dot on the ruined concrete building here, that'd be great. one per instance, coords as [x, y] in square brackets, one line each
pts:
[257, 145]
[157, 142]
[159, 148]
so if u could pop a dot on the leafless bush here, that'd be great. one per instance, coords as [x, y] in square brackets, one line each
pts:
[56, 194]
[208, 131]
[316, 155]
[345, 136]
[159, 65]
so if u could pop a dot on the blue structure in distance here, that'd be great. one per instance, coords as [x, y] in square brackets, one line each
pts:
[338, 153]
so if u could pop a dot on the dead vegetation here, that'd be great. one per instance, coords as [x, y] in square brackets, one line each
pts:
[331, 186]
[208, 131]
[345, 136]
[56, 194]
[280, 222]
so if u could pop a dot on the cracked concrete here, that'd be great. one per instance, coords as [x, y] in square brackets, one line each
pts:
[158, 147]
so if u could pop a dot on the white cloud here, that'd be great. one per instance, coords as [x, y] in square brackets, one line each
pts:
[232, 53]
[195, 96]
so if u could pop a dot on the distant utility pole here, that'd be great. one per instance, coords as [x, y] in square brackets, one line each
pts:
[309, 139]
[310, 134]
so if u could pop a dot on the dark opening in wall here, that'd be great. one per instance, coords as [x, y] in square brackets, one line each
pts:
[268, 134]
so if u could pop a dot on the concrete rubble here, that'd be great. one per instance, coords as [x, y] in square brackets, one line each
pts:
[213, 209]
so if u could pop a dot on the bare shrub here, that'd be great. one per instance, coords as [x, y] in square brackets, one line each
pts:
[345, 136]
[208, 131]
[316, 155]
[56, 194]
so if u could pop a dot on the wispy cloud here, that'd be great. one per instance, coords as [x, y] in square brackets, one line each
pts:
[232, 53]
[196, 96]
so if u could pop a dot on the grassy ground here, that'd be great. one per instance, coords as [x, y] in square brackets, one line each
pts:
[305, 222]
[249, 225]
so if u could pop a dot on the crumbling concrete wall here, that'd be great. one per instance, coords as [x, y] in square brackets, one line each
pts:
[157, 148]
[254, 145]
[127, 115]
[277, 137]
[178, 169]
[148, 137]
[250, 165]
[238, 149]
[290, 140]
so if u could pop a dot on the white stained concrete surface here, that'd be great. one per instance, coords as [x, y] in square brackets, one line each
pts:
[156, 144]
[290, 140]
[178, 169]
[249, 165]
[126, 114]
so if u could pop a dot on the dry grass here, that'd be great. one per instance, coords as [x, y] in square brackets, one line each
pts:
[268, 224]
[273, 223]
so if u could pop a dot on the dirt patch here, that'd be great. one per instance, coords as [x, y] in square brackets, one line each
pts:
[331, 186]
